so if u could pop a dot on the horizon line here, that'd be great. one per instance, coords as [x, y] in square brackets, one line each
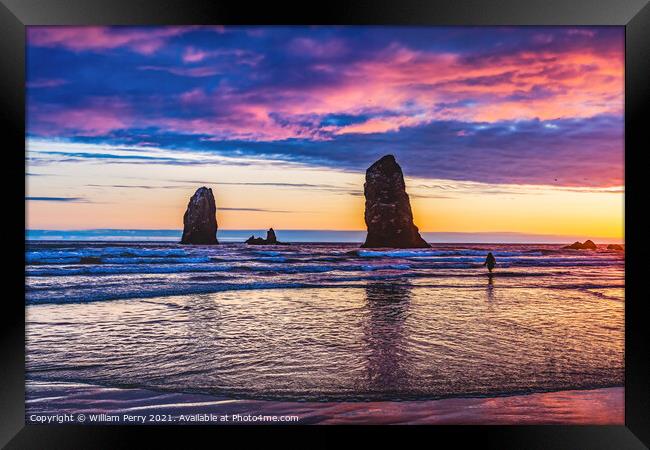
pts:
[528, 236]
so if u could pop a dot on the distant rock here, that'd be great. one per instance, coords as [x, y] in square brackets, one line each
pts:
[200, 219]
[587, 245]
[388, 210]
[615, 247]
[270, 239]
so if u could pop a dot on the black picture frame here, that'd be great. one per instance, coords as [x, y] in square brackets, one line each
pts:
[634, 15]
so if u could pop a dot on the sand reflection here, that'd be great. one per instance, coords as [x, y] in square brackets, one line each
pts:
[490, 288]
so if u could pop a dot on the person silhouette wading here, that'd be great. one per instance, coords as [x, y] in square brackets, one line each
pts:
[490, 261]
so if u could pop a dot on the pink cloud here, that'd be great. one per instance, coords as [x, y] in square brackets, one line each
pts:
[245, 57]
[98, 117]
[413, 85]
[191, 55]
[380, 125]
[416, 87]
[523, 86]
[242, 122]
[139, 40]
[195, 96]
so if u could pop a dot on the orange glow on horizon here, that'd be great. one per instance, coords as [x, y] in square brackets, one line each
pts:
[528, 209]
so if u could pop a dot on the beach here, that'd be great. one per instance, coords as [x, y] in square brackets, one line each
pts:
[337, 333]
[141, 406]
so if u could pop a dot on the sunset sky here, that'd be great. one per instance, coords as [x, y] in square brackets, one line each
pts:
[496, 129]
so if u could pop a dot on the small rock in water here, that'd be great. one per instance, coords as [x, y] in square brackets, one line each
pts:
[587, 245]
[615, 247]
[270, 239]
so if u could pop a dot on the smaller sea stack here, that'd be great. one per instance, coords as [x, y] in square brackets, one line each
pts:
[200, 219]
[270, 239]
[388, 210]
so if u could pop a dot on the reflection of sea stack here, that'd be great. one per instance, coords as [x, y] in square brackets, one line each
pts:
[200, 220]
[270, 239]
[384, 330]
[388, 210]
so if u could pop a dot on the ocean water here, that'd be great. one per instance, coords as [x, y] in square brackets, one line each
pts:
[325, 321]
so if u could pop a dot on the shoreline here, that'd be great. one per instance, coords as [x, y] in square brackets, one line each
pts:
[602, 406]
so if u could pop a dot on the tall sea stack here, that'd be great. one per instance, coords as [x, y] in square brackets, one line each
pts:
[388, 211]
[200, 219]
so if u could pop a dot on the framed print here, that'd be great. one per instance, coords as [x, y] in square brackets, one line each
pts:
[415, 214]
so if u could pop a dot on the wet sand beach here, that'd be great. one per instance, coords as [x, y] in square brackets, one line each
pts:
[330, 333]
[577, 407]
